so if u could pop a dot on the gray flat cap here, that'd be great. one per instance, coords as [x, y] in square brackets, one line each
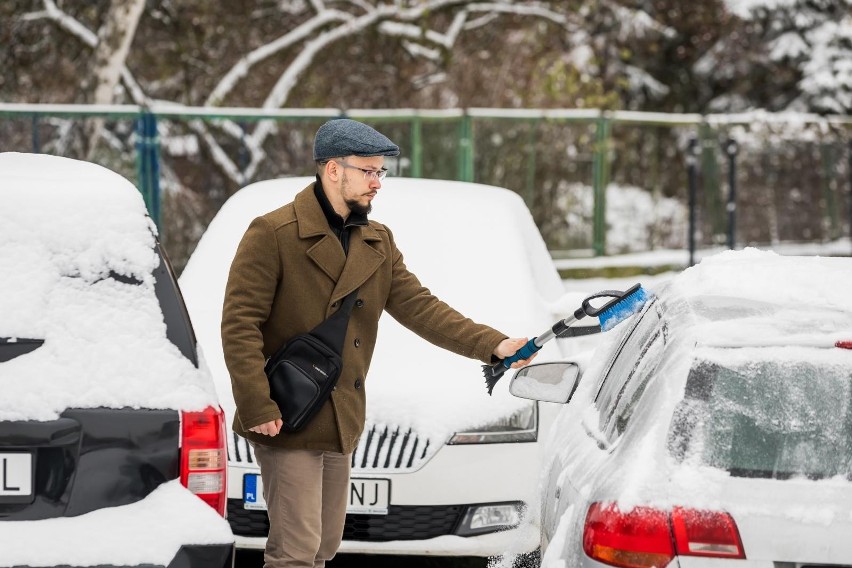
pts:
[345, 137]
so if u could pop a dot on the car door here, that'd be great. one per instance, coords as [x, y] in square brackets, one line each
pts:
[583, 447]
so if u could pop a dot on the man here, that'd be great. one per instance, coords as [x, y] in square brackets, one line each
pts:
[292, 270]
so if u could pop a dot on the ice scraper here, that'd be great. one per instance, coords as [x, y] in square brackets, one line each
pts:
[621, 306]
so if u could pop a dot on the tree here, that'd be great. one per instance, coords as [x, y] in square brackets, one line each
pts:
[293, 42]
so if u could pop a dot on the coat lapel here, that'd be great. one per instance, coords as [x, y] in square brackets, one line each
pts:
[348, 272]
[362, 262]
[326, 253]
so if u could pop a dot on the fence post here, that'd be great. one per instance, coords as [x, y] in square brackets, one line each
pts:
[828, 158]
[731, 149]
[36, 135]
[849, 173]
[531, 163]
[599, 183]
[148, 163]
[692, 154]
[416, 148]
[466, 148]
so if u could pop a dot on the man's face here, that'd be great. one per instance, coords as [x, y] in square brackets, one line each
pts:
[357, 187]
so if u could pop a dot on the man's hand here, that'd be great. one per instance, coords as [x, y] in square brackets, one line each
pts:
[508, 347]
[268, 428]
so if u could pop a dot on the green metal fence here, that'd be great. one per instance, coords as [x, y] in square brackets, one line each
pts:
[579, 171]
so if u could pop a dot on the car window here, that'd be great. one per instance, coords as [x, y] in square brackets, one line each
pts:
[178, 327]
[626, 401]
[625, 361]
[767, 418]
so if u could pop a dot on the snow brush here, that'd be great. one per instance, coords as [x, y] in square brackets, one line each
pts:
[619, 308]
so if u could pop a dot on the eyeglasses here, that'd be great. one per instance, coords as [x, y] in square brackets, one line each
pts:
[368, 174]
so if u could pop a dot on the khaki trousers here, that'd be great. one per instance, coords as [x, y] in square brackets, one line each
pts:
[306, 493]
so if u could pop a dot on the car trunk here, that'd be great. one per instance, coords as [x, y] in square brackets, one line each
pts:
[87, 459]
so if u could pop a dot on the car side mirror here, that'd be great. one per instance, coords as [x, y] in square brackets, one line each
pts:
[548, 382]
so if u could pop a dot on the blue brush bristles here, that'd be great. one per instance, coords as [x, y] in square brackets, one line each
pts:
[625, 308]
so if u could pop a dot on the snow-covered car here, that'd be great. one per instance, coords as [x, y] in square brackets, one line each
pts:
[112, 441]
[442, 468]
[713, 428]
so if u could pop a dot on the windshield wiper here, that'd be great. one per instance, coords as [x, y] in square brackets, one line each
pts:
[11, 347]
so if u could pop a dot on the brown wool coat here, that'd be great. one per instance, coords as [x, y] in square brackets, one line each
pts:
[289, 274]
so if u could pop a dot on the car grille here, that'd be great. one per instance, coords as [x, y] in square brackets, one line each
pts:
[381, 449]
[416, 522]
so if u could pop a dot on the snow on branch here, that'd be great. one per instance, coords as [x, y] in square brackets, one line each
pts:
[445, 40]
[68, 23]
[537, 10]
[244, 65]
[52, 12]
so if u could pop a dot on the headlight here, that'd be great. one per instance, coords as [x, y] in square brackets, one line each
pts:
[522, 426]
[490, 517]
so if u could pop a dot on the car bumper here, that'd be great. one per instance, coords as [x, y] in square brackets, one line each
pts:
[522, 539]
[190, 556]
[427, 505]
[171, 527]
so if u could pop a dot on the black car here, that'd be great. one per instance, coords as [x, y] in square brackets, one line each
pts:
[112, 442]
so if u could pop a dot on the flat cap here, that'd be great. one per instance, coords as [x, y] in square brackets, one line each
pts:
[345, 137]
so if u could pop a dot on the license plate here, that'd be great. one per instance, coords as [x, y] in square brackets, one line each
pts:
[367, 496]
[16, 476]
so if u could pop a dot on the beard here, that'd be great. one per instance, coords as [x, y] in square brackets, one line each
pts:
[352, 204]
[357, 208]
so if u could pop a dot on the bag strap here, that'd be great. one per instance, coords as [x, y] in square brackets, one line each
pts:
[332, 331]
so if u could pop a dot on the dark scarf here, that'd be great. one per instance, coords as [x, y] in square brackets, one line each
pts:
[338, 226]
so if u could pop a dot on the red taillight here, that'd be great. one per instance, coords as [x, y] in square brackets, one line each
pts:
[845, 344]
[706, 533]
[645, 537]
[203, 455]
[638, 538]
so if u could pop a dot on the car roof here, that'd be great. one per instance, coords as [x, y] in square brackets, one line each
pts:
[753, 297]
[77, 261]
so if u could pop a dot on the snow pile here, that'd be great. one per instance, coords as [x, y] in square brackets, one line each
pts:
[766, 276]
[76, 254]
[636, 221]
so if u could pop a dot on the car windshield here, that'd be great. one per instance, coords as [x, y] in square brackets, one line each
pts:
[777, 417]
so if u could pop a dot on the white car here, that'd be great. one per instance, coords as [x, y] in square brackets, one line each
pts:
[112, 440]
[714, 428]
[442, 468]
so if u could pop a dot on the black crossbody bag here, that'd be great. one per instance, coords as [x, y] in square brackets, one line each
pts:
[303, 373]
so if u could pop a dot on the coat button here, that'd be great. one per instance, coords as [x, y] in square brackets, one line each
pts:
[335, 304]
[359, 303]
[357, 342]
[357, 383]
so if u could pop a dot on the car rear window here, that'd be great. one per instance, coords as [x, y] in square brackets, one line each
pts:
[756, 414]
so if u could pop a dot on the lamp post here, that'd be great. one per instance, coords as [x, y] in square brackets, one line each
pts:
[731, 149]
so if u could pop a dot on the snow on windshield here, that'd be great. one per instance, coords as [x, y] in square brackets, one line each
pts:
[76, 255]
[776, 418]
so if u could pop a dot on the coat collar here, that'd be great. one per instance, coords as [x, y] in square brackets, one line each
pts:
[348, 272]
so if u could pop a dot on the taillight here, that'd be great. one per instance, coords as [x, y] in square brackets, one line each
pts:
[844, 344]
[645, 537]
[706, 533]
[203, 455]
[638, 538]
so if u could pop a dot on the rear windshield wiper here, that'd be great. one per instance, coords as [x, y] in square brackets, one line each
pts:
[11, 347]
